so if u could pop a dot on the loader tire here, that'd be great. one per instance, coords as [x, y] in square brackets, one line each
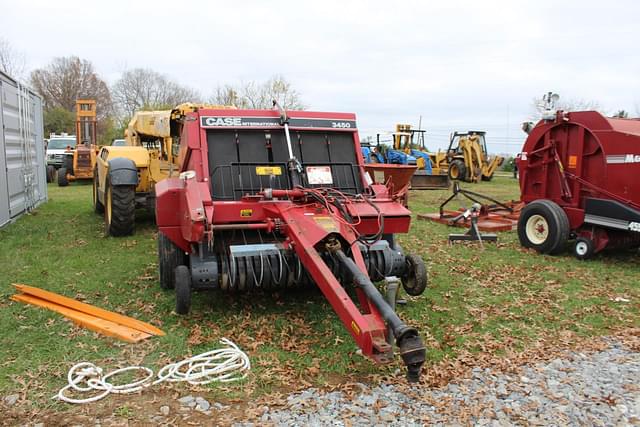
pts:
[98, 207]
[543, 226]
[51, 173]
[414, 282]
[170, 257]
[62, 177]
[487, 177]
[67, 163]
[119, 209]
[457, 171]
[183, 289]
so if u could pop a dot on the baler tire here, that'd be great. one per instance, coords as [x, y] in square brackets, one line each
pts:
[457, 168]
[62, 177]
[557, 223]
[98, 207]
[414, 282]
[51, 173]
[183, 289]
[170, 256]
[584, 248]
[119, 209]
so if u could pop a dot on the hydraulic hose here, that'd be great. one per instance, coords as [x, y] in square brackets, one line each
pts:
[412, 349]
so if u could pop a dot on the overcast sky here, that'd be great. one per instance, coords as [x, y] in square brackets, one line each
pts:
[460, 65]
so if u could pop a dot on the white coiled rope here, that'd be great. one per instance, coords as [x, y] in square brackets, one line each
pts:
[222, 365]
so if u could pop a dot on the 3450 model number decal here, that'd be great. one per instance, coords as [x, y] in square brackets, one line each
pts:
[272, 122]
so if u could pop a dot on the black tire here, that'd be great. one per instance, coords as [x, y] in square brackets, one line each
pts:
[51, 173]
[119, 209]
[62, 177]
[487, 178]
[170, 257]
[415, 281]
[584, 248]
[543, 226]
[67, 163]
[98, 207]
[457, 170]
[183, 289]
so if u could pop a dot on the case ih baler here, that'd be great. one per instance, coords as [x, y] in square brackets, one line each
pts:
[579, 177]
[267, 200]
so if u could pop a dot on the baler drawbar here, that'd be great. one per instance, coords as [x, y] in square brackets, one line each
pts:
[268, 199]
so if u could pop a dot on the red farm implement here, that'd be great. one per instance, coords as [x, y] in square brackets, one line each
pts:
[579, 179]
[268, 200]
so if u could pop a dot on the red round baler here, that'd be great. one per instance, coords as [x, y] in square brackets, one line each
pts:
[580, 180]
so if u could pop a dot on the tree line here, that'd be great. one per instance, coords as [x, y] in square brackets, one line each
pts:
[66, 79]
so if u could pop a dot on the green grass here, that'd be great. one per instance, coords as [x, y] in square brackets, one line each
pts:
[501, 298]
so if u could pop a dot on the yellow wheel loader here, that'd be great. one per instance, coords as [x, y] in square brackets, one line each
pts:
[467, 159]
[124, 177]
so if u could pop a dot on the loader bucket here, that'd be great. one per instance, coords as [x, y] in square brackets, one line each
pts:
[398, 175]
[424, 181]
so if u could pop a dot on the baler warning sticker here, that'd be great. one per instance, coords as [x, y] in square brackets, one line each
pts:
[245, 213]
[268, 170]
[327, 223]
[573, 161]
[319, 175]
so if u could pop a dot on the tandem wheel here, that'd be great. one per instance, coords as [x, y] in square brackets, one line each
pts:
[183, 289]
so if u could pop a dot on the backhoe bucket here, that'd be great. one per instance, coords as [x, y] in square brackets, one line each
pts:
[424, 181]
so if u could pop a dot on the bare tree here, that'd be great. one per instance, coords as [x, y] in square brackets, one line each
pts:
[65, 80]
[257, 95]
[12, 62]
[146, 89]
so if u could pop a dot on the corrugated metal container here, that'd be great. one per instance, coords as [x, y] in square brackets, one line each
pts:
[23, 184]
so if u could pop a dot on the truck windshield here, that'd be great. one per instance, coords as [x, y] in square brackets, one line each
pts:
[61, 143]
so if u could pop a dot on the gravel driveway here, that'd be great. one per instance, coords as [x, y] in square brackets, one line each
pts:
[600, 388]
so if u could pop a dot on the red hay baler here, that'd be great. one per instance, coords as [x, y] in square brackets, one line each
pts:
[579, 178]
[269, 199]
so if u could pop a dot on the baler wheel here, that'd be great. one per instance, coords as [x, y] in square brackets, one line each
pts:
[457, 170]
[183, 289]
[98, 207]
[62, 177]
[170, 257]
[119, 209]
[584, 248]
[415, 281]
[543, 226]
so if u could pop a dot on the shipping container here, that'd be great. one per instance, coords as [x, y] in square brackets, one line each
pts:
[23, 184]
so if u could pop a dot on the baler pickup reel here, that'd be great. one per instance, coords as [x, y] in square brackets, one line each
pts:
[280, 200]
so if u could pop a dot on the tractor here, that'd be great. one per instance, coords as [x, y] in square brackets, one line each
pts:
[273, 199]
[467, 159]
[124, 175]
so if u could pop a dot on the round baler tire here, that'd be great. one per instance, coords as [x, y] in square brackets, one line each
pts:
[549, 215]
[119, 209]
[98, 207]
[459, 166]
[170, 257]
[183, 289]
[416, 279]
[62, 177]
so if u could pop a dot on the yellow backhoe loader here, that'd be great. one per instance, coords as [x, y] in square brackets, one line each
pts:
[467, 159]
[124, 177]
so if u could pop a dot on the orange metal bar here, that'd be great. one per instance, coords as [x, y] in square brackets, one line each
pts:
[88, 321]
[89, 309]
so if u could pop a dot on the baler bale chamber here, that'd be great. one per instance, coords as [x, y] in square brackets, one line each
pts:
[269, 199]
[579, 179]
